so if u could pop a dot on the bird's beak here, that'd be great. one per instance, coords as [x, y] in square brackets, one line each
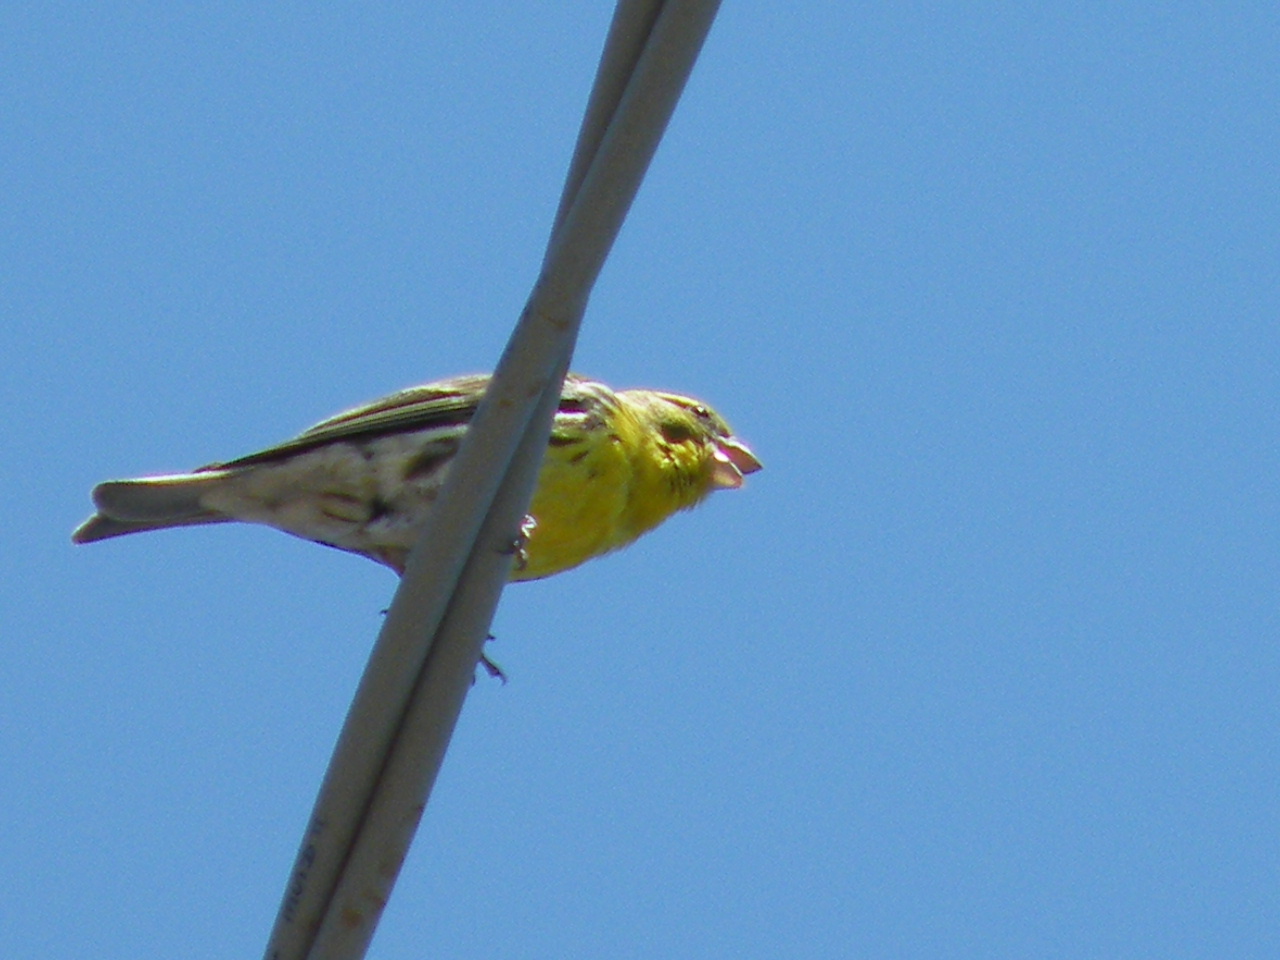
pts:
[733, 459]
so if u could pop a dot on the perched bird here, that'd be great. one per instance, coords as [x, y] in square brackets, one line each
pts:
[616, 466]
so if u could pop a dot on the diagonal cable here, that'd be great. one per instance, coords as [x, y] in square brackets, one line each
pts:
[412, 690]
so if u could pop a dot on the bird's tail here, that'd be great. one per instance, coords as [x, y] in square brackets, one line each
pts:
[149, 503]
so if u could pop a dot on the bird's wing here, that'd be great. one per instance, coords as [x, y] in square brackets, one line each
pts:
[444, 404]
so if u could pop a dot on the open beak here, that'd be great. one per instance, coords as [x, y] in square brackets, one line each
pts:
[733, 460]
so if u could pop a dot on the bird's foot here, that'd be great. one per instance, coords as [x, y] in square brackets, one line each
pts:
[490, 667]
[520, 541]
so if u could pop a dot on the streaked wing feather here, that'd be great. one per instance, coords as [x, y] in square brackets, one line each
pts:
[445, 403]
[453, 400]
[441, 404]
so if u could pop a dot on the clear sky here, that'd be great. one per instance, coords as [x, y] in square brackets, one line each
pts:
[983, 664]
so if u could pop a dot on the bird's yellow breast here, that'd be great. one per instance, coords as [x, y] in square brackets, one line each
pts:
[601, 487]
[580, 501]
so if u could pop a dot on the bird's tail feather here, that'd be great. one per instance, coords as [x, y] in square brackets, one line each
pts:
[149, 503]
[99, 527]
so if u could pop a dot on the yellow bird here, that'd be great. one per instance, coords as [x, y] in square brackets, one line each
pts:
[616, 466]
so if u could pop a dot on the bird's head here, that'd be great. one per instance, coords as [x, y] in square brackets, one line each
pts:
[697, 447]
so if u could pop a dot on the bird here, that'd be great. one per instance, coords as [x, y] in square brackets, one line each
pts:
[617, 465]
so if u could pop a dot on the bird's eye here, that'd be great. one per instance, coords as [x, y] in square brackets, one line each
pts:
[675, 432]
[701, 411]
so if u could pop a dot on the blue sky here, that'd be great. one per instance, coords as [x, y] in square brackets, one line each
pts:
[983, 664]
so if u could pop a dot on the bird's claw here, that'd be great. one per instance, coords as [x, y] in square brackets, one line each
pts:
[490, 667]
[520, 541]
